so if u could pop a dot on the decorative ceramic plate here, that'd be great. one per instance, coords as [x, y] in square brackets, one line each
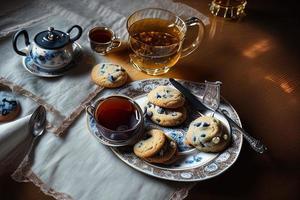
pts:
[35, 69]
[191, 164]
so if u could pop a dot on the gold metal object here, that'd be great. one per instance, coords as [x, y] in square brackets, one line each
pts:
[229, 9]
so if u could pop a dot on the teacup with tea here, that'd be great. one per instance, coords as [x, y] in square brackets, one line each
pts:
[156, 37]
[103, 40]
[118, 118]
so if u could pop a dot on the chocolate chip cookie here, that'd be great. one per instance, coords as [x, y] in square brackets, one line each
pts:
[166, 97]
[165, 154]
[155, 139]
[156, 148]
[207, 134]
[109, 75]
[165, 116]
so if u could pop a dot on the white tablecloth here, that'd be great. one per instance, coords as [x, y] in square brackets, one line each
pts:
[75, 165]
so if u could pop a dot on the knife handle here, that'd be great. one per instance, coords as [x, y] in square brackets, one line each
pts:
[256, 144]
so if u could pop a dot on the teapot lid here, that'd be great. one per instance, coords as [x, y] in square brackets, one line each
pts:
[51, 39]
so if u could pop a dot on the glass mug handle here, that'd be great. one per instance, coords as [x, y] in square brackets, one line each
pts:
[193, 21]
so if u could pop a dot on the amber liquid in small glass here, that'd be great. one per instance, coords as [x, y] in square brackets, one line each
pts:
[101, 36]
[117, 114]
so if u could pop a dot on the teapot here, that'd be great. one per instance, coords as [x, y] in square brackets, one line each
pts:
[50, 49]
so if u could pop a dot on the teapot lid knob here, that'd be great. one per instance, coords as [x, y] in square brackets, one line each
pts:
[50, 34]
[50, 29]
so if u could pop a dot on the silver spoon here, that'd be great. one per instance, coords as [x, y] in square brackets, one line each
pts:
[37, 122]
[37, 125]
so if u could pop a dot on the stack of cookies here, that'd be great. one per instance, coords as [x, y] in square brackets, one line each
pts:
[156, 148]
[166, 106]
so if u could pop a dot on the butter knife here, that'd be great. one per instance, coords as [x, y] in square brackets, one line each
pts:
[256, 144]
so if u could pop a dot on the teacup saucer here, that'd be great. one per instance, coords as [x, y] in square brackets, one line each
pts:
[91, 124]
[35, 69]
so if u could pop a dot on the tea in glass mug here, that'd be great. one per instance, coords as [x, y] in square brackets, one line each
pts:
[156, 38]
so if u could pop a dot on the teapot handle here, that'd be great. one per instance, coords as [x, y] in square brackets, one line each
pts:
[78, 34]
[15, 39]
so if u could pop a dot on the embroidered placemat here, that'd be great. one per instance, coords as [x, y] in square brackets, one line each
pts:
[75, 165]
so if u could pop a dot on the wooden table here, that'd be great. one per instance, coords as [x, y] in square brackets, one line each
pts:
[257, 61]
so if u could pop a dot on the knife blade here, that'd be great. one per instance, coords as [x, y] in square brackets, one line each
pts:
[194, 101]
[197, 104]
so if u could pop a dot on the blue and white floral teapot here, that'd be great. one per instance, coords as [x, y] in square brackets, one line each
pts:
[50, 49]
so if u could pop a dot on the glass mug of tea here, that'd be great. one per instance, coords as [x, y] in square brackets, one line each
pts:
[156, 37]
[103, 39]
[118, 118]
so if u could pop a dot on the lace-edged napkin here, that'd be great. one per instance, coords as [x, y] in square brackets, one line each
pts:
[15, 140]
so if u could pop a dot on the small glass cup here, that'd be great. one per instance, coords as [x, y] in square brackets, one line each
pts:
[230, 9]
[118, 118]
[103, 40]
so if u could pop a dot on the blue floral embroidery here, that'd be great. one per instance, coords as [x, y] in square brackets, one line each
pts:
[7, 106]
